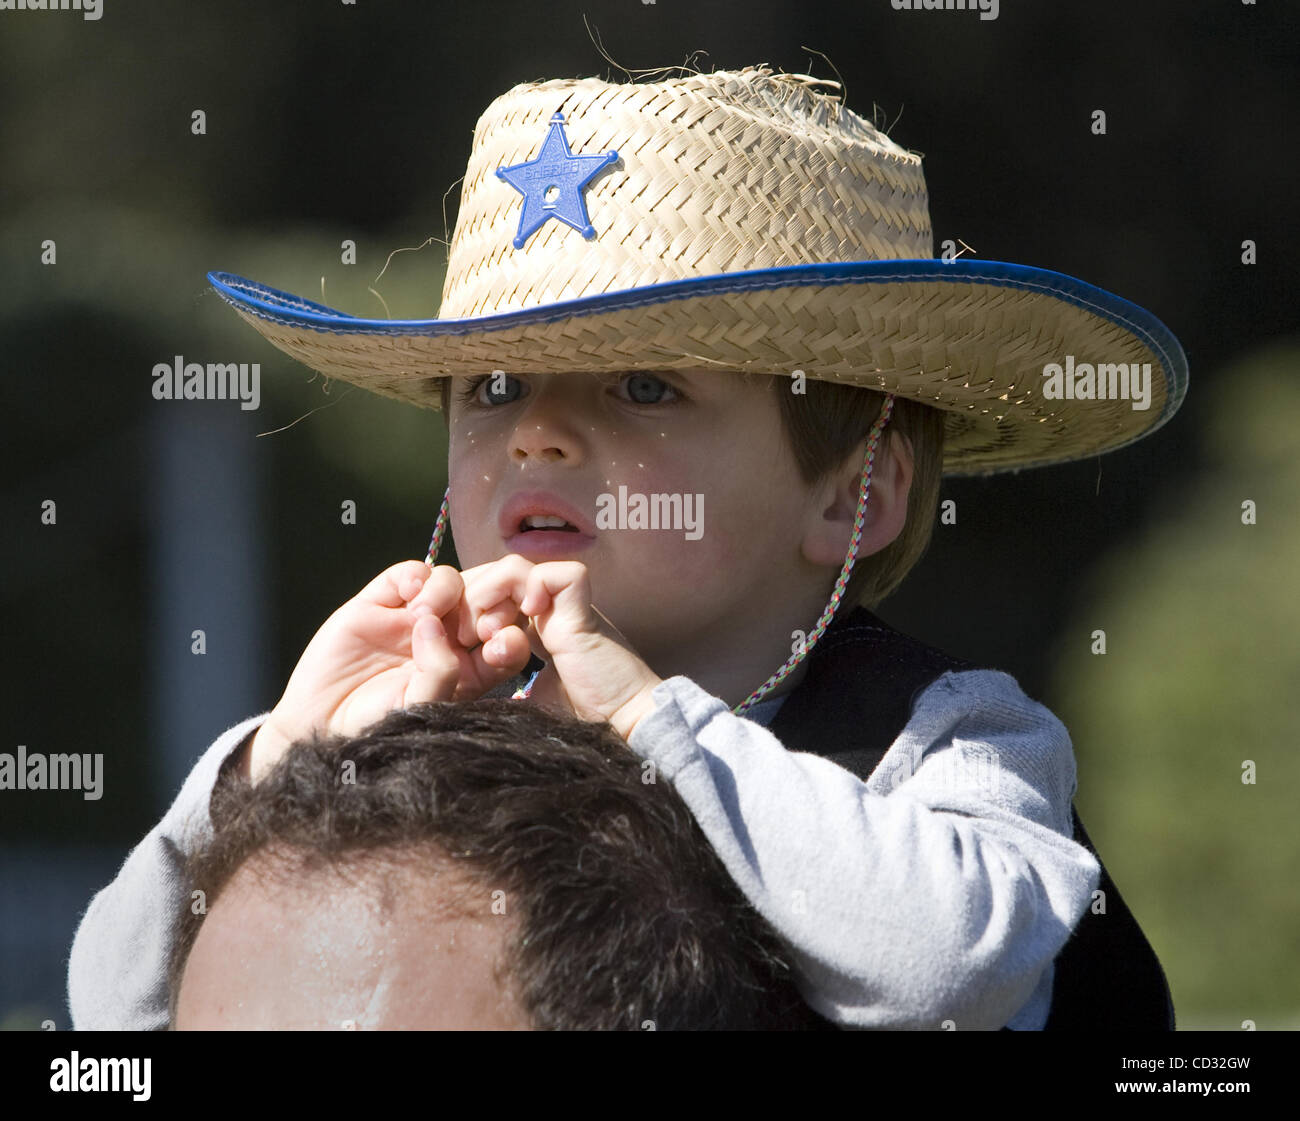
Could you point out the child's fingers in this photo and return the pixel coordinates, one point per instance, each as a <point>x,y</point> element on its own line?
<point>487,666</point>
<point>562,584</point>
<point>501,657</point>
<point>389,588</point>
<point>492,595</point>
<point>437,665</point>
<point>439,590</point>
<point>505,649</point>
<point>514,590</point>
<point>410,583</point>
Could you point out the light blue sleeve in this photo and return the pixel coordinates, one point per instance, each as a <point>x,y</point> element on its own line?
<point>936,894</point>
<point>117,971</point>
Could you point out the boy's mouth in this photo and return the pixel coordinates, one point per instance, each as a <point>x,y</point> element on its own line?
<point>540,511</point>
<point>543,526</point>
<point>535,522</point>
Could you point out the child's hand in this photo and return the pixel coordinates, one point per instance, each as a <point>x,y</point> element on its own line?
<point>591,666</point>
<point>385,649</point>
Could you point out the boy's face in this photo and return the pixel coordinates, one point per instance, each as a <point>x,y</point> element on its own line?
<point>709,438</point>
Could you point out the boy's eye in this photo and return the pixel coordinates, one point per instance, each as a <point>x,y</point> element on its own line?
<point>647,389</point>
<point>488,390</point>
<point>501,390</point>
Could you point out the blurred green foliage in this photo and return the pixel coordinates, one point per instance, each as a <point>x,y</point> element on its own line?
<point>1201,673</point>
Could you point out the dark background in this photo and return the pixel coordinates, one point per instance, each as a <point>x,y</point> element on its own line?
<point>328,121</point>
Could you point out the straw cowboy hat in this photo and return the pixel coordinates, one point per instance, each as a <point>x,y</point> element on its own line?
<point>741,220</point>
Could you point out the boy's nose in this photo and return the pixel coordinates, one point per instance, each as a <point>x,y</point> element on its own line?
<point>547,431</point>
<point>538,450</point>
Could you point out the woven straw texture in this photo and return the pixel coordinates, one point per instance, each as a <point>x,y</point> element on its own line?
<point>718,174</point>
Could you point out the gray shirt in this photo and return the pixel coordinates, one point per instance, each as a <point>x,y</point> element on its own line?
<point>935,895</point>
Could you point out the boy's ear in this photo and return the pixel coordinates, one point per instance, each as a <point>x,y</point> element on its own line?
<point>829,527</point>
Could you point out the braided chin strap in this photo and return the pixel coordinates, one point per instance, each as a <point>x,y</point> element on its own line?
<point>805,647</point>
<point>438,530</point>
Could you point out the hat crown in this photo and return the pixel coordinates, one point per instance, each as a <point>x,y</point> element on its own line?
<point>715,173</point>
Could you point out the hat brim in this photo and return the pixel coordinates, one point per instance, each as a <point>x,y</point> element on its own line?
<point>969,337</point>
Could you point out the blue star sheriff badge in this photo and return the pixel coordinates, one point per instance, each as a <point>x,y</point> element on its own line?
<point>552,184</point>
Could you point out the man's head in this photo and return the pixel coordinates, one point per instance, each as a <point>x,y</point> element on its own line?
<point>779,471</point>
<point>475,865</point>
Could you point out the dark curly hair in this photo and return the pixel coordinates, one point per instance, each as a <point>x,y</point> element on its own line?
<point>625,914</point>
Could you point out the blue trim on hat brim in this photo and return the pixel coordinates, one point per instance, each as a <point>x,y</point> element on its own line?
<point>295,311</point>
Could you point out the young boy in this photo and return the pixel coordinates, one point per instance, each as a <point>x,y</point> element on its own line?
<point>651,292</point>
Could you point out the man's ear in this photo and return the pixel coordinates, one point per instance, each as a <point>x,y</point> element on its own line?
<point>829,526</point>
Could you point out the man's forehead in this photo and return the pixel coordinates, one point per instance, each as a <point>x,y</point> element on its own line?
<point>385,941</point>
<point>417,881</point>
